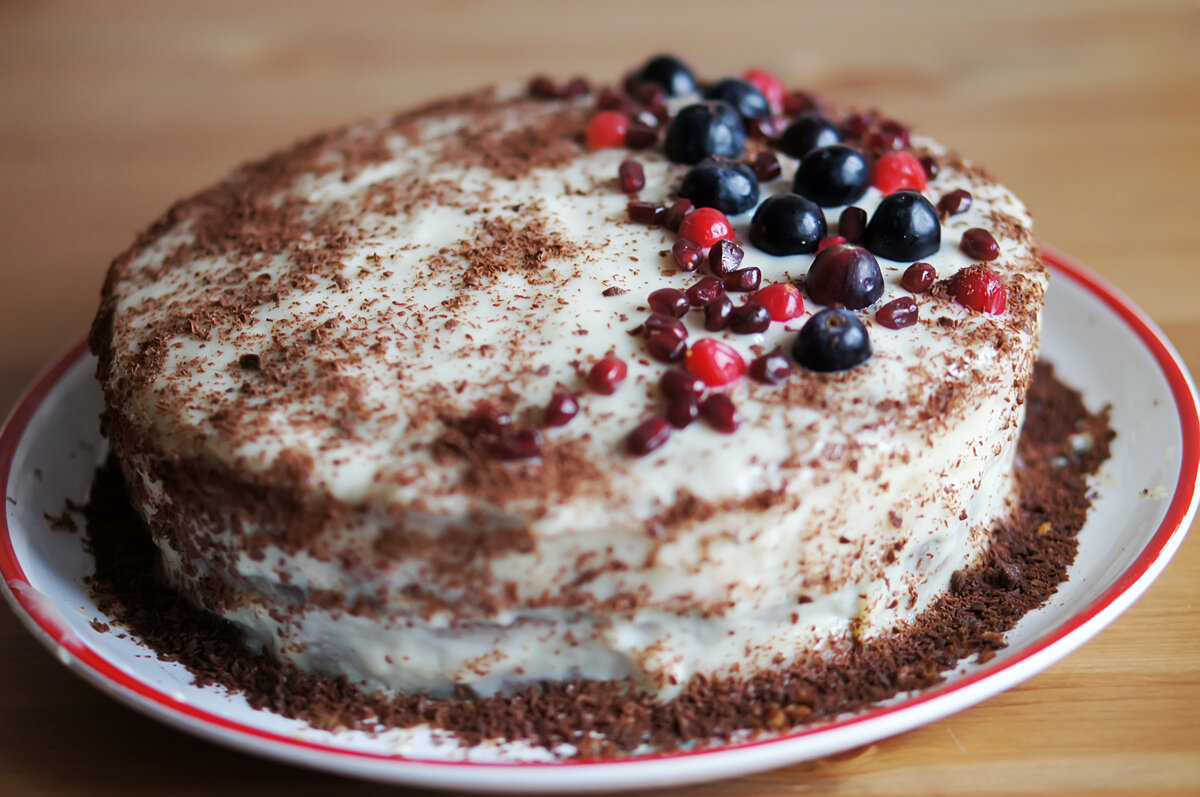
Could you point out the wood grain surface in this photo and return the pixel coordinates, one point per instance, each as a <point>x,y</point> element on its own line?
<point>1090,111</point>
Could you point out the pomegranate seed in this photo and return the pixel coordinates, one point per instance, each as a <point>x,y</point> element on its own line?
<point>607,375</point>
<point>680,383</point>
<point>830,240</point>
<point>686,254</point>
<point>895,171</point>
<point>658,322</point>
<point>895,130</point>
<point>717,313</point>
<point>543,87</point>
<point>882,141</point>
<point>641,135</point>
<point>524,444</point>
<point>744,279</point>
<point>766,128</point>
<point>782,300</point>
<point>706,226</point>
<point>715,362</point>
<point>631,176</point>
<point>930,165</point>
<point>650,95</point>
<point>682,410</point>
<point>704,291</point>
<point>797,102</point>
<point>719,412</point>
<point>918,278</point>
<point>670,301</point>
<point>607,129</point>
<point>768,84</point>
<point>610,100</point>
<point>491,418</point>
<point>979,288</point>
<point>852,224</point>
<point>647,436</point>
<point>955,202</point>
<point>979,244</point>
<point>749,319</point>
<point>643,212</point>
<point>665,347</point>
<point>772,368</point>
<point>674,215</point>
<point>725,257</point>
<point>577,87</point>
<point>766,166</point>
<point>854,125</point>
<point>898,313</point>
<point>562,407</point>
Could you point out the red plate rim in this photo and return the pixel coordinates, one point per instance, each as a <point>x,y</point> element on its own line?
<point>1159,547</point>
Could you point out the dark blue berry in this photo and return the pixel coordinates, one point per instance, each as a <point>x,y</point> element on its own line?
<point>742,95</point>
<point>809,131</point>
<point>847,275</point>
<point>787,224</point>
<point>832,340</point>
<point>905,227</point>
<point>670,73</point>
<point>704,129</point>
<point>834,175</point>
<point>729,186</point>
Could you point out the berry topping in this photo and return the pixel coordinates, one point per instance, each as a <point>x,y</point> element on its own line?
<point>896,171</point>
<point>682,410</point>
<point>720,414</point>
<point>611,100</point>
<point>782,300</point>
<point>855,125</point>
<point>930,165</point>
<point>809,131</point>
<point>659,323</point>
<point>853,224</point>
<point>607,129</point>
<point>491,418</point>
<point>728,186</point>
<point>542,87</point>
<point>641,135</point>
<point>744,279</point>
<point>563,406</point>
<point>749,318</point>
<point>768,84</point>
<point>787,224</point>
<point>955,202</point>
<point>905,227</point>
<point>798,102</point>
<point>846,275</point>
<point>669,301</point>
<point>674,215</point>
<point>979,244</point>
<point>832,340</point>
<point>647,436</point>
<point>898,313</point>
<point>837,174</point>
<point>830,240</point>
<point>705,290</point>
<point>665,347</point>
<point>631,177</point>
<point>643,212</point>
<point>715,362</point>
<point>576,87</point>
<point>918,278</point>
<point>607,375</point>
<point>743,95</point>
<point>681,383</point>
<point>706,226</point>
<point>771,369</point>
<point>522,444</point>
<point>724,257</point>
<point>717,313</point>
<point>704,129</point>
<point>979,288</point>
<point>687,254</point>
<point>766,166</point>
<point>670,73</point>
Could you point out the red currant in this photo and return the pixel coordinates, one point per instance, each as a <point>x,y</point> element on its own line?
<point>607,129</point>
<point>706,226</point>
<point>979,288</point>
<point>768,84</point>
<point>782,300</point>
<point>715,362</point>
<point>830,240</point>
<point>895,171</point>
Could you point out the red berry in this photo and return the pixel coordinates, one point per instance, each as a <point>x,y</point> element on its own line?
<point>665,347</point>
<point>852,224</point>
<point>607,375</point>
<point>782,300</point>
<point>768,84</point>
<point>720,413</point>
<point>674,214</point>
<point>669,301</point>
<point>631,177</point>
<point>955,202</point>
<point>543,87</point>
<point>724,257</point>
<point>772,368</point>
<point>715,362</point>
<point>607,129</point>
<point>680,383</point>
<point>766,166</point>
<point>522,444</point>
<point>491,418</point>
<point>931,166</point>
<point>563,406</point>
<point>640,135</point>
<point>644,212</point>
<point>830,240</point>
<point>978,288</point>
<point>649,435</point>
<point>717,313</point>
<point>686,254</point>
<point>895,171</point>
<point>704,291</point>
<point>898,313</point>
<point>979,244</point>
<point>918,278</point>
<point>682,410</point>
<point>743,280</point>
<point>706,226</point>
<point>658,322</point>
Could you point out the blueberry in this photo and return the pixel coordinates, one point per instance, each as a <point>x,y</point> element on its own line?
<point>833,175</point>
<point>809,131</point>
<point>787,224</point>
<point>728,186</point>
<point>704,129</point>
<point>670,73</point>
<point>832,340</point>
<point>904,227</point>
<point>847,275</point>
<point>742,95</point>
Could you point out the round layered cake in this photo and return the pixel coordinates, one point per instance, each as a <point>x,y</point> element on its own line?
<point>656,382</point>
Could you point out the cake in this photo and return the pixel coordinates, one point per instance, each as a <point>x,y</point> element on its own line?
<point>646,384</point>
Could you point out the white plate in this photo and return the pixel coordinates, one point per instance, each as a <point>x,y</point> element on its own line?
<point>1098,341</point>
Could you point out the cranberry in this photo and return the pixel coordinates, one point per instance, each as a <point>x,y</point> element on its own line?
<point>680,383</point>
<point>979,244</point>
<point>674,215</point>
<point>631,177</point>
<point>682,410</point>
<point>647,436</point>
<point>669,301</point>
<point>523,444</point>
<point>768,84</point>
<point>852,224</point>
<point>715,362</point>
<point>717,313</point>
<point>830,240</point>
<point>979,288</point>
<point>766,166</point>
<point>898,313</point>
<point>686,254</point>
<point>782,300</point>
<point>744,279</point>
<point>704,291</point>
<point>896,171</point>
<point>562,407</point>
<point>918,278</point>
<point>772,368</point>
<point>542,87</point>
<point>665,347</point>
<point>658,322</point>
<point>491,418</point>
<point>706,226</point>
<point>641,135</point>
<point>643,212</point>
<point>749,319</point>
<point>719,412</point>
<point>930,165</point>
<point>846,275</point>
<point>724,257</point>
<point>607,129</point>
<point>955,202</point>
<point>607,375</point>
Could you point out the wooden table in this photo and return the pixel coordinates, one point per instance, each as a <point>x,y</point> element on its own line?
<point>1090,111</point>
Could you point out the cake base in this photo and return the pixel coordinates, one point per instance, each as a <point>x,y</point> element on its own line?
<point>1027,559</point>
